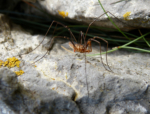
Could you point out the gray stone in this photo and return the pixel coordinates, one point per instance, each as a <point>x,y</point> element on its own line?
<point>81,11</point>
<point>64,83</point>
<point>32,98</point>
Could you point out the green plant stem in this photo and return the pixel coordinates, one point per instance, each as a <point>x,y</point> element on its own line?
<point>114,23</point>
<point>146,41</point>
<point>125,46</point>
<point>136,39</point>
<point>139,49</point>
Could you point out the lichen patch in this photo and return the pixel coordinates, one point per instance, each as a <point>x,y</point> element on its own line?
<point>63,14</point>
<point>126,15</point>
<point>12,62</point>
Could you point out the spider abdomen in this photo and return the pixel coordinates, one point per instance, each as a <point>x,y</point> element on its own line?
<point>79,48</point>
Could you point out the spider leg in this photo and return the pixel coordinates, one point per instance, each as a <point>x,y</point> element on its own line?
<point>100,51</point>
<point>93,22</point>
<point>66,28</point>
<point>53,33</point>
<point>102,15</point>
<point>106,50</point>
<point>82,34</point>
<point>93,39</point>
<point>50,46</point>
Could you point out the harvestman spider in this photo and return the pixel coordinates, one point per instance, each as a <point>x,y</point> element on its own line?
<point>78,47</point>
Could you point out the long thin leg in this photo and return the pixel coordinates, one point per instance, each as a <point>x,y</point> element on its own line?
<point>51,41</point>
<point>82,34</point>
<point>83,37</point>
<point>66,28</point>
<point>100,51</point>
<point>106,50</point>
<point>93,39</point>
<point>53,32</point>
<point>41,41</point>
<point>92,23</point>
<point>99,17</point>
<point>55,28</point>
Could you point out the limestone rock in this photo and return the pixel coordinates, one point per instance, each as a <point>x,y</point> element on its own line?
<point>82,11</point>
<point>62,82</point>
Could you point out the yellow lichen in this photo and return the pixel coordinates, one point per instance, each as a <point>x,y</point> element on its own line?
<point>19,72</point>
<point>63,14</point>
<point>126,15</point>
<point>1,63</point>
<point>12,62</point>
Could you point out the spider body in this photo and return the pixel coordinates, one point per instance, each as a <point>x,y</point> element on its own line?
<point>81,48</point>
<point>78,47</point>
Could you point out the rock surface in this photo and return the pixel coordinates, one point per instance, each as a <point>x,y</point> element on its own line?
<point>88,10</point>
<point>58,82</point>
<point>85,11</point>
